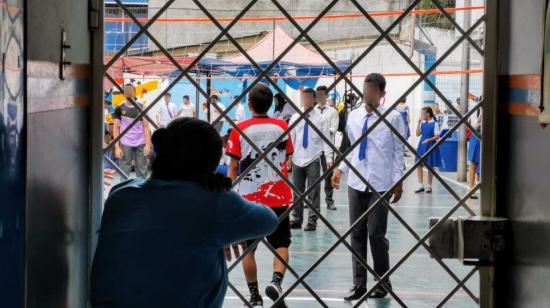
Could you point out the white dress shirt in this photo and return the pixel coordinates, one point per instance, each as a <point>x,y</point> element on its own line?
<point>331,116</point>
<point>187,110</point>
<point>384,164</point>
<point>167,112</point>
<point>304,156</point>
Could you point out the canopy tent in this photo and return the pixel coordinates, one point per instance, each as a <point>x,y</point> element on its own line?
<point>145,65</point>
<point>299,61</point>
<point>153,66</point>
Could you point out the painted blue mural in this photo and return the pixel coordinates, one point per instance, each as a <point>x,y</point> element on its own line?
<point>226,89</point>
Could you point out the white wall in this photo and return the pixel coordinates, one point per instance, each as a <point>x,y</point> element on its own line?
<point>184,34</point>
<point>384,59</point>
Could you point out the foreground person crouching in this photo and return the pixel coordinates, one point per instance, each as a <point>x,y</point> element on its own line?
<point>161,242</point>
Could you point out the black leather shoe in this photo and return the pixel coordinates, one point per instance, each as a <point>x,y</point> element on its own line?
<point>310,227</point>
<point>331,206</point>
<point>295,225</point>
<point>355,293</point>
<point>419,190</point>
<point>379,292</point>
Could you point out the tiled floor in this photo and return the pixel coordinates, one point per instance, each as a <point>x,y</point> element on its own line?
<point>419,282</point>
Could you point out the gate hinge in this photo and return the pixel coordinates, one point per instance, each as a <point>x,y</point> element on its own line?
<point>474,240</point>
<point>94,15</point>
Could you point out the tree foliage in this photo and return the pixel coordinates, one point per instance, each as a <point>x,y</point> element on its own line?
<point>436,20</point>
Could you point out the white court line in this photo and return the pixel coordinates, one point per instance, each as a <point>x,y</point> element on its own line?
<point>463,185</point>
<point>408,206</point>
<point>299,299</point>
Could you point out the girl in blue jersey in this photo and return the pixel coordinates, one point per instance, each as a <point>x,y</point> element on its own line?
<point>428,130</point>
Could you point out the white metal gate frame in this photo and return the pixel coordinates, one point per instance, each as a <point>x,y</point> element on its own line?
<point>143,29</point>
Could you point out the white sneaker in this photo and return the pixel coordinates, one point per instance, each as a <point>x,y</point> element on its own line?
<point>274,291</point>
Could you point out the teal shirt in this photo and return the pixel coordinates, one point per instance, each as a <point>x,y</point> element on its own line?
<point>161,244</point>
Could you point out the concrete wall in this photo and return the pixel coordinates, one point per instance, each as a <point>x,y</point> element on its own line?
<point>523,160</point>
<point>386,60</point>
<point>182,34</point>
<point>58,155</point>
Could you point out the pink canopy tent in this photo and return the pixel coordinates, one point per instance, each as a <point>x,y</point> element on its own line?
<point>145,65</point>
<point>273,44</point>
<point>299,61</point>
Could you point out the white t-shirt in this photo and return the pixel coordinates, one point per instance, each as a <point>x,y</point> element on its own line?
<point>167,112</point>
<point>187,110</point>
<point>239,113</point>
<point>286,112</point>
<point>214,114</point>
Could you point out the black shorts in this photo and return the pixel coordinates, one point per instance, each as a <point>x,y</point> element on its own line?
<point>281,237</point>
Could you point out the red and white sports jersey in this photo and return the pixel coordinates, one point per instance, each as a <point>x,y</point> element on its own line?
<point>262,184</point>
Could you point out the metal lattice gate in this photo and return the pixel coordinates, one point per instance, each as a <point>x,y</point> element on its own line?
<point>341,76</point>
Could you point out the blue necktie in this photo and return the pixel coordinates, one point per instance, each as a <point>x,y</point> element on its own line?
<point>305,136</point>
<point>363,145</point>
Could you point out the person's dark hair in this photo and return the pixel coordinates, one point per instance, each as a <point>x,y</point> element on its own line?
<point>430,111</point>
<point>322,88</point>
<point>168,94</point>
<point>281,102</point>
<point>214,96</point>
<point>108,102</point>
<point>186,97</point>
<point>309,91</point>
<point>260,98</point>
<point>377,79</point>
<point>187,150</point>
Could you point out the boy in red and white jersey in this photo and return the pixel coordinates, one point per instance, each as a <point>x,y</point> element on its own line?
<point>262,184</point>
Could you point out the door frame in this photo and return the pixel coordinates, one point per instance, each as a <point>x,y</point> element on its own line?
<point>488,168</point>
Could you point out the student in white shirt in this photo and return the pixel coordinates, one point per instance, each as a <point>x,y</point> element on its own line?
<point>379,159</point>
<point>167,111</point>
<point>214,113</point>
<point>306,160</point>
<point>283,110</point>
<point>330,115</point>
<point>187,109</point>
<point>239,112</point>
